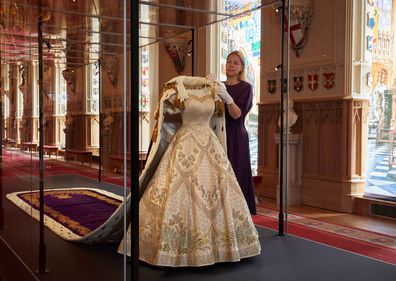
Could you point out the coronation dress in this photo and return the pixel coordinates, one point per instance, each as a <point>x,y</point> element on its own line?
<point>192,210</point>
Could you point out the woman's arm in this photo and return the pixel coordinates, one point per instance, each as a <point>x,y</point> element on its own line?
<point>232,107</point>
<point>237,110</point>
<point>234,110</point>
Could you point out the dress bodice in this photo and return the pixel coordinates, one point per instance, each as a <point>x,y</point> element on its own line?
<point>198,108</point>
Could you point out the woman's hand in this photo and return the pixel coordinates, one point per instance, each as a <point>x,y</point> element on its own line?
<point>221,90</point>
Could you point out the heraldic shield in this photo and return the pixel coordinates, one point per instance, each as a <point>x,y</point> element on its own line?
<point>272,86</point>
<point>328,80</point>
<point>298,83</point>
<point>313,81</point>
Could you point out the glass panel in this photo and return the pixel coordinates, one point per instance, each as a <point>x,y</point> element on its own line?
<point>85,110</point>
<point>84,116</point>
<point>173,56</point>
<point>243,33</point>
<point>380,83</point>
<point>19,133</point>
<point>164,21</point>
<point>272,178</point>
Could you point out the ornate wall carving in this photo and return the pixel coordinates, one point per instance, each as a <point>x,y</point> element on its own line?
<point>333,150</point>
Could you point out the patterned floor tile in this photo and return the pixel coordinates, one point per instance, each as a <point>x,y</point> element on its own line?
<point>381,179</point>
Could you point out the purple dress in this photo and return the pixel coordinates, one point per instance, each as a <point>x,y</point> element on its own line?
<point>238,141</point>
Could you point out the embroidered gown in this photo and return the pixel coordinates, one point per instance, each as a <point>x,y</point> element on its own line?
<point>193,212</point>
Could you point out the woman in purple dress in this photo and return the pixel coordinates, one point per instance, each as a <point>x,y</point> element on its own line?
<point>238,96</point>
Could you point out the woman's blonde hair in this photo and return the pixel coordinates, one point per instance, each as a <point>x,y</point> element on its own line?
<point>242,74</point>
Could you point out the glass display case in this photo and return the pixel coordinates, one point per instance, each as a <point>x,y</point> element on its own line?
<point>80,85</point>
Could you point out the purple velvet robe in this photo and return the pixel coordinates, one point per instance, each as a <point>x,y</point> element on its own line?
<point>238,141</point>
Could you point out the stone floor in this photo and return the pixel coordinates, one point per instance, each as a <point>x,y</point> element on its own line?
<point>381,175</point>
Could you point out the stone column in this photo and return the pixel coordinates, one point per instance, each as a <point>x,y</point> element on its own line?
<point>25,86</point>
<point>59,118</point>
<point>12,127</point>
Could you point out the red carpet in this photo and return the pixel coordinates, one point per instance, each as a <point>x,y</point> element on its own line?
<point>362,242</point>
<point>16,164</point>
<point>372,249</point>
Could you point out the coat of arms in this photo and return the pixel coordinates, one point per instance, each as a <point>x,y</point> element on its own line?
<point>328,80</point>
<point>272,86</point>
<point>298,83</point>
<point>313,81</point>
<point>299,21</point>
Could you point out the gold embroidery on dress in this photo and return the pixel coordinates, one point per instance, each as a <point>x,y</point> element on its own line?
<point>189,161</point>
<point>210,198</point>
<point>158,196</point>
